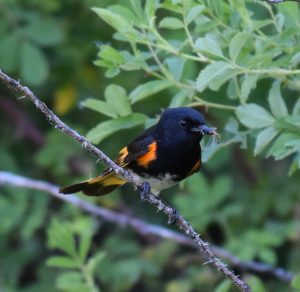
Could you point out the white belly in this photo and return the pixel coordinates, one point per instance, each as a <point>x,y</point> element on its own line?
<point>161,183</point>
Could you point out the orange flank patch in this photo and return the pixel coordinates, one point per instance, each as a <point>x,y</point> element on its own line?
<point>146,159</point>
<point>196,167</point>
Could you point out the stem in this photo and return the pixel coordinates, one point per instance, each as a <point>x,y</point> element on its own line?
<point>201,102</point>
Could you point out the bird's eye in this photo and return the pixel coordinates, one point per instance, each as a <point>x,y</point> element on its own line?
<point>182,124</point>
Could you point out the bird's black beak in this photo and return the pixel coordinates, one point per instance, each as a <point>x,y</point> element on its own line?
<point>205,130</point>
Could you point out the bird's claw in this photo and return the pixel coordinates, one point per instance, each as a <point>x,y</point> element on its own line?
<point>174,217</point>
<point>145,191</point>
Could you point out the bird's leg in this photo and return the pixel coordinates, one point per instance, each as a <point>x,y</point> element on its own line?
<point>144,193</point>
<point>174,216</point>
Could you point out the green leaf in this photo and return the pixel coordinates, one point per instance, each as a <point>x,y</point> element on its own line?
<point>71,281</point>
<point>256,284</point>
<point>296,282</point>
<point>284,145</point>
<point>116,97</point>
<point>148,89</point>
<point>94,261</point>
<point>236,44</point>
<point>224,286</point>
<point>277,104</point>
<point>84,245</point>
<point>176,66</point>
<point>45,32</point>
<point>118,23</point>
<point>296,108</point>
<point>124,13</point>
<point>138,9</point>
<point>62,262</point>
<point>171,23</point>
<point>254,116</point>
<point>181,98</point>
<point>150,8</point>
<point>209,45</point>
<point>112,72</point>
<point>248,84</point>
<point>9,52</point>
<point>105,129</point>
<point>34,65</point>
<point>215,75</point>
<point>193,13</point>
<point>100,106</point>
<point>264,138</point>
<point>60,236</point>
<point>111,55</point>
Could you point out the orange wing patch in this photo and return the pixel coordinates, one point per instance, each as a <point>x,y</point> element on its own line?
<point>150,155</point>
<point>196,167</point>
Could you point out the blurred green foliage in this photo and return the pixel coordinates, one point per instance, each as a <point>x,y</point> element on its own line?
<point>236,61</point>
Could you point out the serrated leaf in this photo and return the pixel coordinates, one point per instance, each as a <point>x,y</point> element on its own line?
<point>215,75</point>
<point>62,262</point>
<point>148,89</point>
<point>248,84</point>
<point>105,129</point>
<point>171,23</point>
<point>236,44</point>
<point>100,106</point>
<point>34,65</point>
<point>276,102</point>
<point>193,13</point>
<point>264,138</point>
<point>254,116</point>
<point>209,45</point>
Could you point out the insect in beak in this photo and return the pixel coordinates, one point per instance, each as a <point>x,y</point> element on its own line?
<point>205,130</point>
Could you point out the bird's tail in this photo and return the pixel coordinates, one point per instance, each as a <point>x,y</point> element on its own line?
<point>98,186</point>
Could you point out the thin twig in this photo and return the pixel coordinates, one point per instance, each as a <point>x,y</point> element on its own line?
<point>140,226</point>
<point>280,1</point>
<point>130,177</point>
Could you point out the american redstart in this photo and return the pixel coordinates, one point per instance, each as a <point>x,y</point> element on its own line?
<point>163,155</point>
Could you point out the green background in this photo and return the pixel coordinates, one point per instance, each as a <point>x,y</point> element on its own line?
<point>108,72</point>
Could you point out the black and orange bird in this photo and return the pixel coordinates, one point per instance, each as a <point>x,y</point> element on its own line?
<point>163,155</point>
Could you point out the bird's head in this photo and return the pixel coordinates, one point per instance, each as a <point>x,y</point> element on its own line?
<point>184,124</point>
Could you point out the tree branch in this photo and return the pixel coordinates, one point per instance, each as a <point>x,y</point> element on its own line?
<point>140,226</point>
<point>182,224</point>
<point>280,1</point>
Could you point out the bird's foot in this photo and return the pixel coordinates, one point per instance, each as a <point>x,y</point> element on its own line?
<point>174,217</point>
<point>145,191</point>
